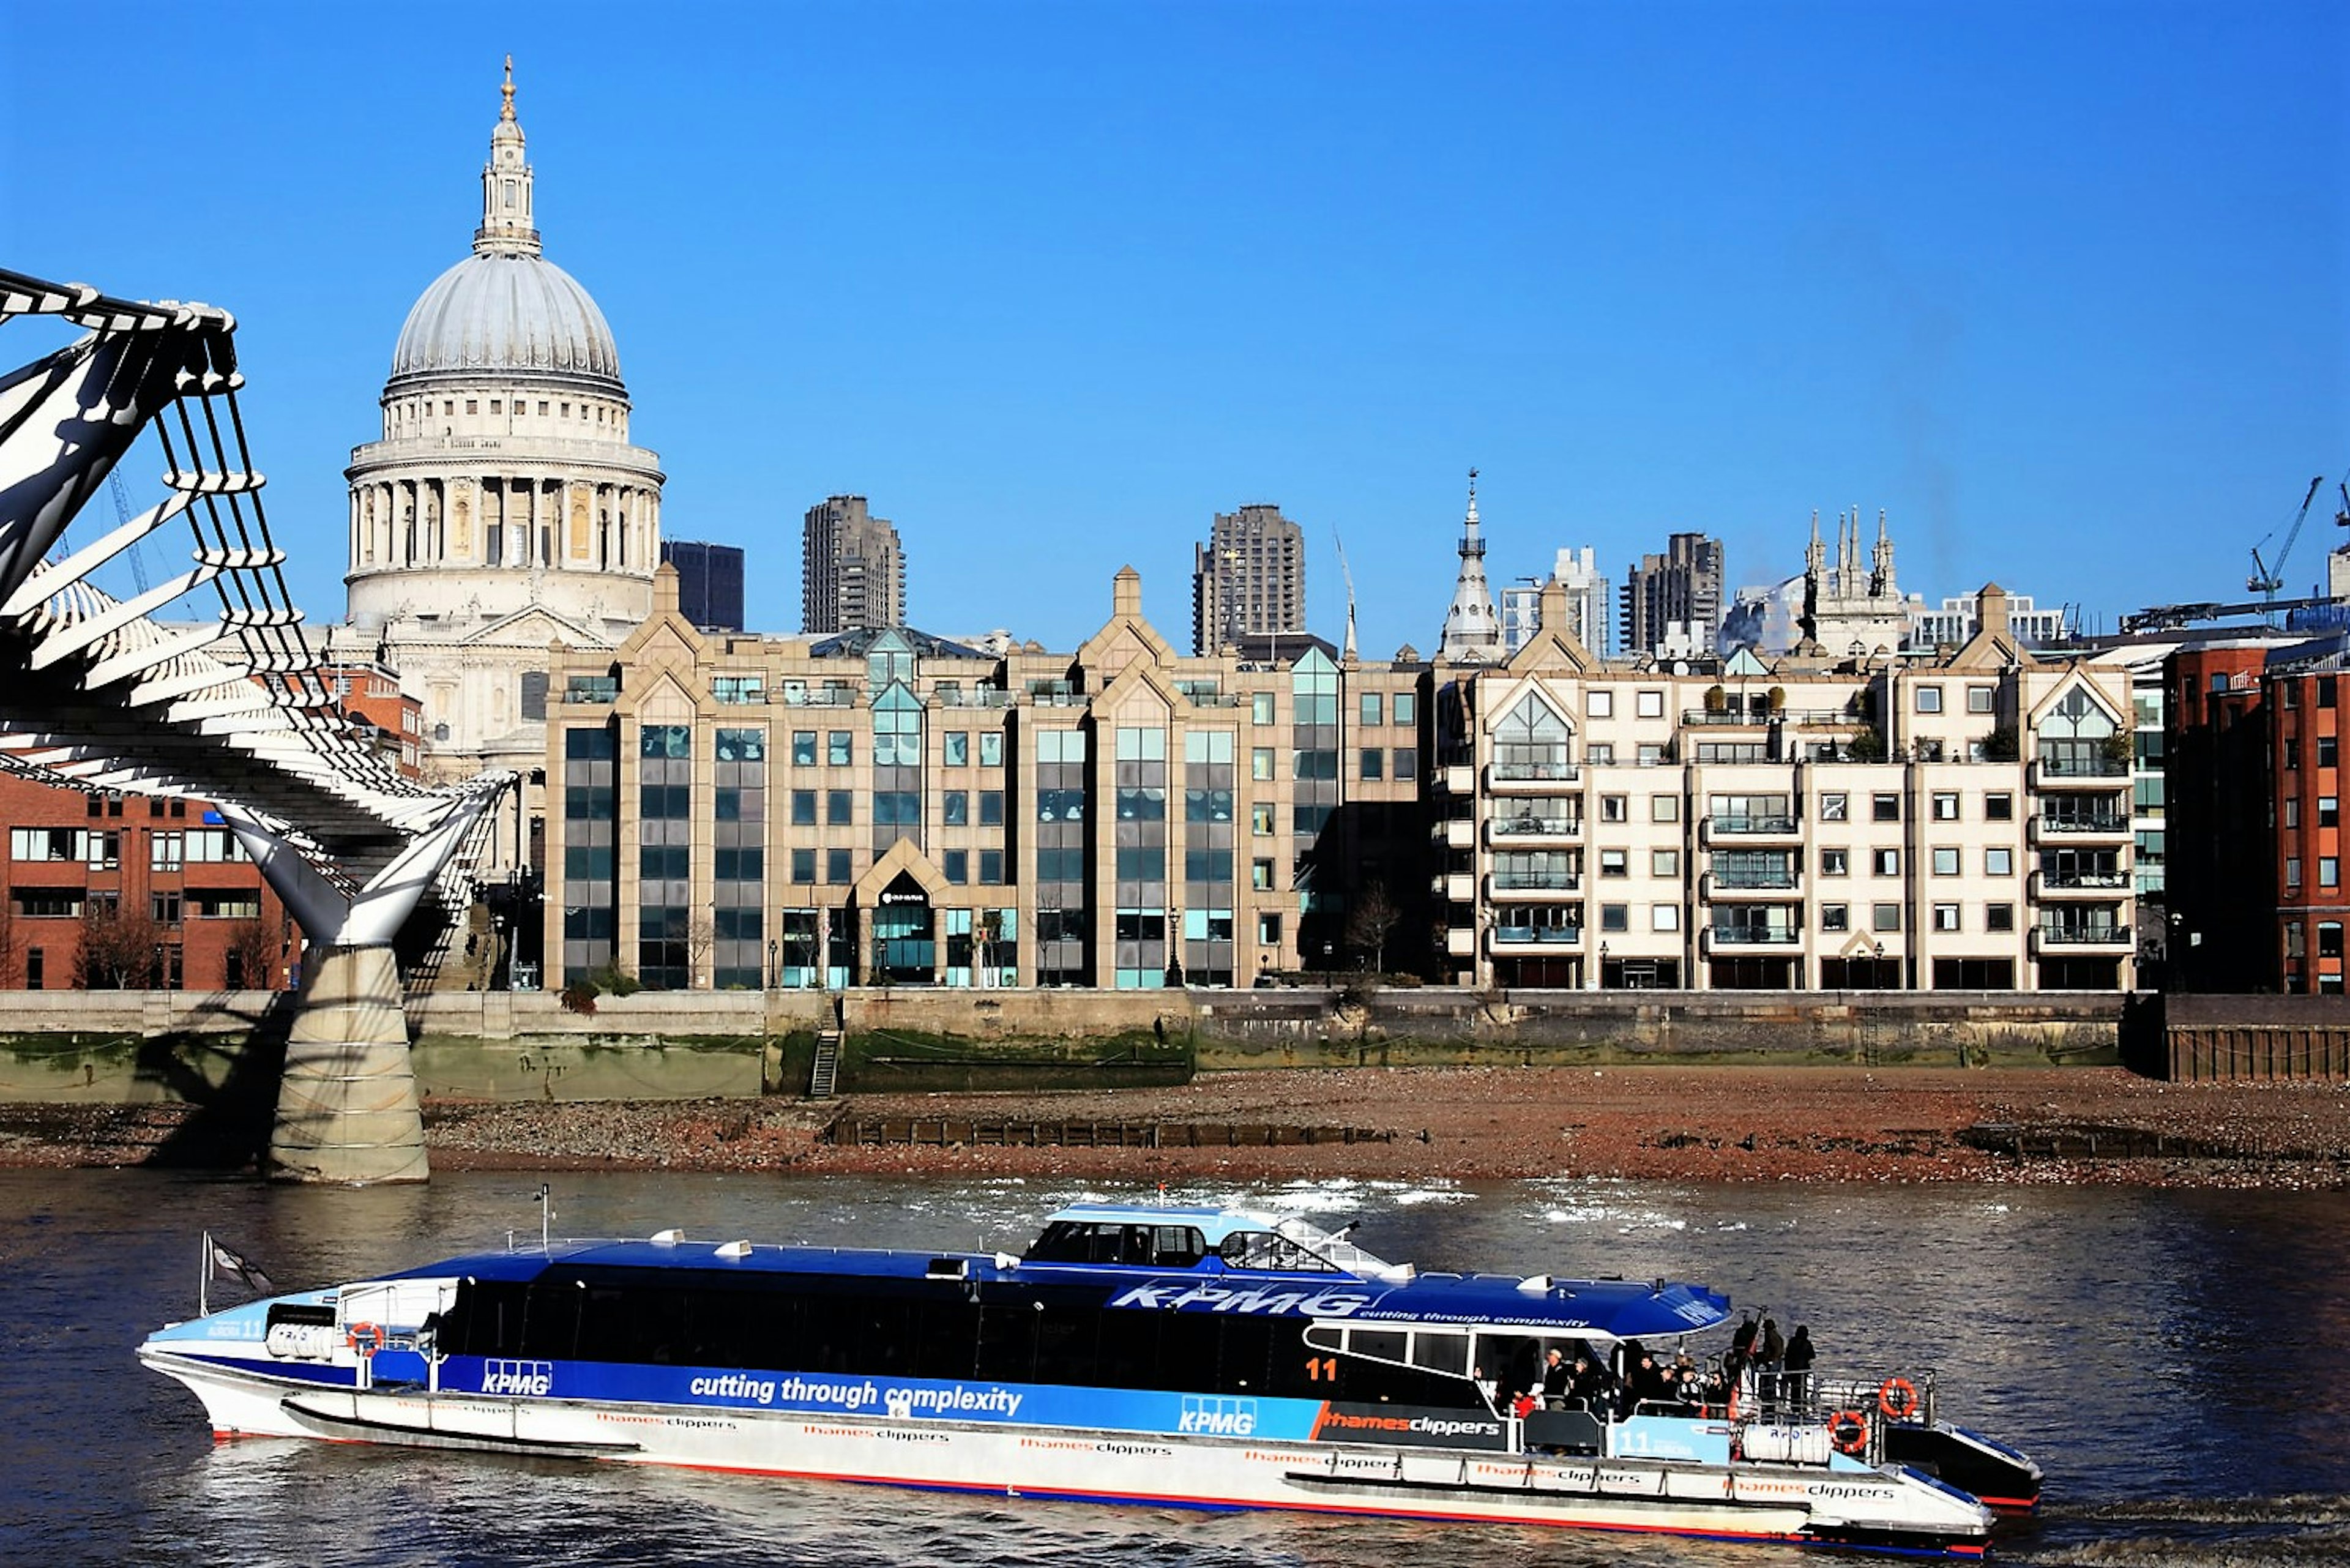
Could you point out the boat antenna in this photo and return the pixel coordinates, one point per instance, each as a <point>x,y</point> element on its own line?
<point>546,1217</point>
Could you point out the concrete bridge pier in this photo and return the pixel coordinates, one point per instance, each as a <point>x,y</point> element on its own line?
<point>346,1107</point>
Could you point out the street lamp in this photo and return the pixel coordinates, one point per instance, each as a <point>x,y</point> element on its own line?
<point>1326,962</point>
<point>774,969</point>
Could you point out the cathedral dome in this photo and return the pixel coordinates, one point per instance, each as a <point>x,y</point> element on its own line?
<point>503,314</point>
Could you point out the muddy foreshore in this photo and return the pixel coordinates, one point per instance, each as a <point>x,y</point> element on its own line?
<point>2086,1125</point>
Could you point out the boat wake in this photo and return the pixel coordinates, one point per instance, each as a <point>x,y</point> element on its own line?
<point>2290,1532</point>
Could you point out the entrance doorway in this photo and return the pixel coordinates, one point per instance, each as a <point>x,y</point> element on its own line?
<point>905,951</point>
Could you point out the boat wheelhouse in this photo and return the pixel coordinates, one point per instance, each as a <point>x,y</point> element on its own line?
<point>1222,1358</point>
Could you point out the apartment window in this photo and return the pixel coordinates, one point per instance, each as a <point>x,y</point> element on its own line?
<point>957,802</point>
<point>804,808</point>
<point>1664,917</point>
<point>2329,811</point>
<point>1615,808</point>
<point>1600,754</point>
<point>1407,764</point>
<point>1946,805</point>
<point>1885,806</point>
<point>1652,754</point>
<point>2329,871</point>
<point>1664,808</point>
<point>1268,930</point>
<point>1261,707</point>
<point>956,864</point>
<point>1929,699</point>
<point>991,867</point>
<point>1978,700</point>
<point>1405,708</point>
<point>1836,808</point>
<point>1835,917</point>
<point>1260,762</point>
<point>1260,820</point>
<point>1649,704</point>
<point>802,748</point>
<point>1835,862</point>
<point>1999,862</point>
<point>958,753</point>
<point>1946,861</point>
<point>2293,870</point>
<point>837,867</point>
<point>1886,862</point>
<point>2329,932</point>
<point>837,807</point>
<point>2000,807</point>
<point>2293,811</point>
<point>2327,751</point>
<point>1373,766</point>
<point>1946,917</point>
<point>1664,863</point>
<point>1368,709</point>
<point>839,748</point>
<point>991,808</point>
<point>1999,916</point>
<point>1614,916</point>
<point>990,751</point>
<point>1613,863</point>
<point>1261,876</point>
<point>1885,917</point>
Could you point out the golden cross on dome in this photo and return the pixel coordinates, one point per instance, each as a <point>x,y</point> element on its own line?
<point>507,112</point>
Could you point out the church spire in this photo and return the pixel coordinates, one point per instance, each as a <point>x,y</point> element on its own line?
<point>506,228</point>
<point>1473,631</point>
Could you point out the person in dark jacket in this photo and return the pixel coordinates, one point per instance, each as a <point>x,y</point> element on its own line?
<point>1799,1364</point>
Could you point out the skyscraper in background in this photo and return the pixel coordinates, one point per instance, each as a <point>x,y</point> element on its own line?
<point>709,582</point>
<point>852,574</point>
<point>1590,603</point>
<point>1672,602</point>
<point>1248,579</point>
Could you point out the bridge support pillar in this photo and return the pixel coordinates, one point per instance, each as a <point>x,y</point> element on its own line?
<point>346,1107</point>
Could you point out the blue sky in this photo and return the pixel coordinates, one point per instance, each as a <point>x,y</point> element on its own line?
<point>2062,289</point>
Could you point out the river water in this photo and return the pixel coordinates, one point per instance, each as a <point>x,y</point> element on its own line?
<point>2177,1360</point>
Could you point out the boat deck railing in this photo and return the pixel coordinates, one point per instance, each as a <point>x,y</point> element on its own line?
<point>1854,1412</point>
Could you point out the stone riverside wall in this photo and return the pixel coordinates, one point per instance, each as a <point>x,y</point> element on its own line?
<point>128,1046</point>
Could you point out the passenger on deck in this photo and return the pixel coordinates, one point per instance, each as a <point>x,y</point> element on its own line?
<point>1589,1382</point>
<point>1799,1364</point>
<point>1557,1379</point>
<point>1740,1351</point>
<point>1770,1359</point>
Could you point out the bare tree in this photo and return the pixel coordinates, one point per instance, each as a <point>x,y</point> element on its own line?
<point>1372,920</point>
<point>118,947</point>
<point>701,937</point>
<point>252,956</point>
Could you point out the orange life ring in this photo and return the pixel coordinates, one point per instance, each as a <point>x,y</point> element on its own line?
<point>1897,1399</point>
<point>1849,1430</point>
<point>364,1337</point>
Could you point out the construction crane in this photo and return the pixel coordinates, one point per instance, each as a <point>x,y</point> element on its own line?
<point>122,516</point>
<point>2267,579</point>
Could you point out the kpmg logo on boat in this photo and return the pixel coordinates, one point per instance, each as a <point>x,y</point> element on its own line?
<point>517,1376</point>
<point>1218,1418</point>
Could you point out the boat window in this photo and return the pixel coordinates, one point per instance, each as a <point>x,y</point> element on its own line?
<point>1439,1351</point>
<point>1145,1246</point>
<point>1378,1344</point>
<point>1264,1250</point>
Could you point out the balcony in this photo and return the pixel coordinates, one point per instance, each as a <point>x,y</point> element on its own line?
<point>1715,887</point>
<point>1534,775</point>
<point>1743,935</point>
<point>1460,943</point>
<point>1457,779</point>
<point>1454,886</point>
<point>1529,830</point>
<point>2071,937</point>
<point>1723,718</point>
<point>1542,937</point>
<point>1534,885</point>
<point>2074,829</point>
<point>1455,833</point>
<point>2080,884</point>
<point>1753,825</point>
<point>592,691</point>
<point>2079,773</point>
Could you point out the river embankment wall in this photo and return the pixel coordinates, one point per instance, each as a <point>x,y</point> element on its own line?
<point>113,1047</point>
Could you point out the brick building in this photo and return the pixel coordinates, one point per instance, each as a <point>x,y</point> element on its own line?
<point>158,890</point>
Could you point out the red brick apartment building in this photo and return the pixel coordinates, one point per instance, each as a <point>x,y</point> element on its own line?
<point>2254,785</point>
<point>113,890</point>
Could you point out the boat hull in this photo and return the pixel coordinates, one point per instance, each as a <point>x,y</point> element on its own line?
<point>1869,1509</point>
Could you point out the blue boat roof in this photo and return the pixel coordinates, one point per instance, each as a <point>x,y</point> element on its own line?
<point>1372,1292</point>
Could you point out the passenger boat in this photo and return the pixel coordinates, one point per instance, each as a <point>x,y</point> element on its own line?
<point>1211,1358</point>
